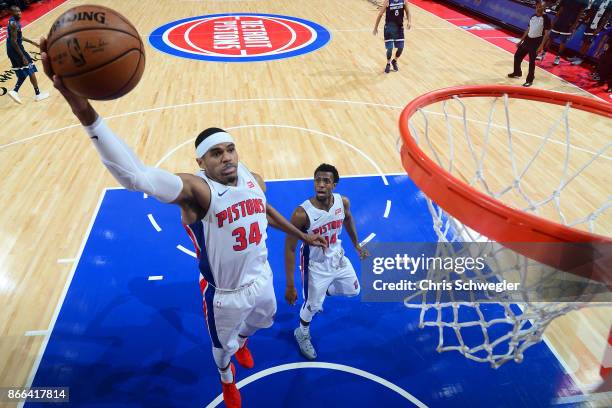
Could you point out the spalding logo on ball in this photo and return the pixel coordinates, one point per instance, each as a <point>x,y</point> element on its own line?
<point>239,37</point>
<point>96,51</point>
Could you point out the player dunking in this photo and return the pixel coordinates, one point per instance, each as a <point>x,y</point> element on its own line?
<point>394,29</point>
<point>225,212</point>
<point>20,60</point>
<point>325,272</point>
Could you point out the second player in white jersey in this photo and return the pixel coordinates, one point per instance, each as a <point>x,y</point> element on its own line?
<point>325,272</point>
<point>328,224</point>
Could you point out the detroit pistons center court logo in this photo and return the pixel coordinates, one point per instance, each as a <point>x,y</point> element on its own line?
<point>241,37</point>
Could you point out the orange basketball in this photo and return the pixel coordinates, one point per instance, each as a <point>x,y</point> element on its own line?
<point>96,51</point>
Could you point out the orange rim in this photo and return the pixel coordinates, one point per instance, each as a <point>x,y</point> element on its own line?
<point>491,217</point>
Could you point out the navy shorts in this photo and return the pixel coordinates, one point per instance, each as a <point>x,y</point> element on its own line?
<point>394,36</point>
<point>22,71</point>
<point>589,35</point>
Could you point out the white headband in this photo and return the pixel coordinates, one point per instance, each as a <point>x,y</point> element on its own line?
<point>210,141</point>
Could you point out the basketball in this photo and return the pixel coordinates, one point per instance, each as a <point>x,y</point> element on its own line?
<point>96,51</point>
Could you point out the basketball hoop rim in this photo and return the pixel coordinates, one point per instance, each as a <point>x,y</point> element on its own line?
<point>477,210</point>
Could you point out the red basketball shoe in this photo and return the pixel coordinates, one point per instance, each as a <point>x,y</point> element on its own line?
<point>231,395</point>
<point>244,357</point>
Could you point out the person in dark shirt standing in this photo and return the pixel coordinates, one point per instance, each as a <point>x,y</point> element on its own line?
<point>531,43</point>
<point>22,63</point>
<point>596,20</point>
<point>568,17</point>
<point>394,29</point>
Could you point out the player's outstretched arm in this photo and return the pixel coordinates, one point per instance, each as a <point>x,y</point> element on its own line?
<point>282,224</point>
<point>121,161</point>
<point>276,220</point>
<point>349,224</point>
<point>299,219</point>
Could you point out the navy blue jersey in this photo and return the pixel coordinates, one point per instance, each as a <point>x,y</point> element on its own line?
<point>395,13</point>
<point>9,39</point>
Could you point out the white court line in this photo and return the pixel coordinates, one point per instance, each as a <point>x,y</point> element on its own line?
<point>341,177</point>
<point>66,260</point>
<point>602,397</point>
<point>156,277</point>
<point>316,132</point>
<point>33,333</point>
<point>330,366</point>
<point>368,239</point>
<point>578,136</point>
<point>388,209</point>
<point>348,30</point>
<point>216,1</point>
<point>185,250</point>
<point>153,222</point>
<point>310,178</point>
<point>435,28</point>
<point>568,370</point>
<point>37,136</point>
<point>186,105</point>
<point>60,302</point>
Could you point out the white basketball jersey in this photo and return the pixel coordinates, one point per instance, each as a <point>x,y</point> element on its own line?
<point>230,240</point>
<point>328,224</point>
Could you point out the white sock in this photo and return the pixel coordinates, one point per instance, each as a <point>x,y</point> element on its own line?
<point>226,375</point>
<point>222,357</point>
<point>305,329</point>
<point>306,314</point>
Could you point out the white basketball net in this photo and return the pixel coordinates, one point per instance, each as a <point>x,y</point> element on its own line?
<point>505,329</point>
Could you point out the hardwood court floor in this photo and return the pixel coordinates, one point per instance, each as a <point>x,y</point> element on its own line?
<point>52,178</point>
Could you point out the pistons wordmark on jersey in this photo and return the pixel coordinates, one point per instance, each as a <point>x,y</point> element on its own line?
<point>328,224</point>
<point>230,240</point>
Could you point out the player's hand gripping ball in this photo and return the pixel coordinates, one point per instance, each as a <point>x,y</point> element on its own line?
<point>96,52</point>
